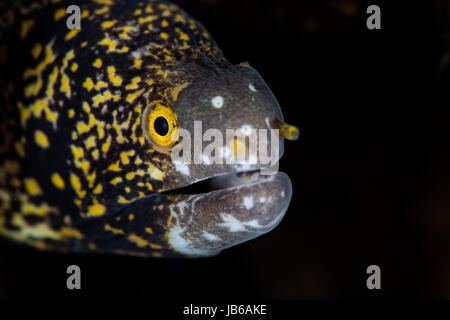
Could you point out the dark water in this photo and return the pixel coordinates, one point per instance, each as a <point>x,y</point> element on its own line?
<point>371,171</point>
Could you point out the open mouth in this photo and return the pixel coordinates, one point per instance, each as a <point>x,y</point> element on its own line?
<point>243,194</point>
<point>218,182</point>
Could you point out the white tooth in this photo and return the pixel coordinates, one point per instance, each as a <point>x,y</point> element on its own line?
<point>254,176</point>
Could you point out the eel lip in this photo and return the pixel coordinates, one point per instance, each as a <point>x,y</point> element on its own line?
<point>241,207</point>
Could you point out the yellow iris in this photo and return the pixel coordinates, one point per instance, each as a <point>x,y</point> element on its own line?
<point>161,126</point>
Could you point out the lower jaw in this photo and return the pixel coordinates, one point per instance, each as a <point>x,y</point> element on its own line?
<point>226,210</point>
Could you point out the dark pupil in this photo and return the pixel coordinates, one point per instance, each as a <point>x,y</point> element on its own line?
<point>161,126</point>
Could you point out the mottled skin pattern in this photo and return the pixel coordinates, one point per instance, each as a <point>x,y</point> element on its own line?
<point>78,171</point>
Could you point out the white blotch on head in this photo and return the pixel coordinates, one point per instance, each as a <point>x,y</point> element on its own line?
<point>139,52</point>
<point>235,225</point>
<point>253,223</point>
<point>210,236</point>
<point>180,243</point>
<point>252,87</point>
<point>136,54</point>
<point>262,199</point>
<point>246,129</point>
<point>231,223</point>
<point>217,102</point>
<point>181,205</point>
<point>282,194</point>
<point>182,168</point>
<point>248,202</point>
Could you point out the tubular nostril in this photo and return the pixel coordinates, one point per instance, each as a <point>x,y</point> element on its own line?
<point>288,131</point>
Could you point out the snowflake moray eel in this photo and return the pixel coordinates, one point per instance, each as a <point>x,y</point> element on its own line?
<point>85,116</point>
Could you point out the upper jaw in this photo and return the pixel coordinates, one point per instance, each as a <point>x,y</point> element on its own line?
<point>184,175</point>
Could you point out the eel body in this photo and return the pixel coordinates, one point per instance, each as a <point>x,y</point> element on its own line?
<point>87,118</point>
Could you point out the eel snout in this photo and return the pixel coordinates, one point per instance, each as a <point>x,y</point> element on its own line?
<point>204,224</point>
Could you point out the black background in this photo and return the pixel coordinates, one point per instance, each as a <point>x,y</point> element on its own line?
<point>370,172</point>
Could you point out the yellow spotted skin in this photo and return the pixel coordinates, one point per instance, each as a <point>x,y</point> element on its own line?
<point>76,168</point>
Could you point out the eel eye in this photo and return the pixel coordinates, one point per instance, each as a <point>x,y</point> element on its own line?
<point>161,125</point>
